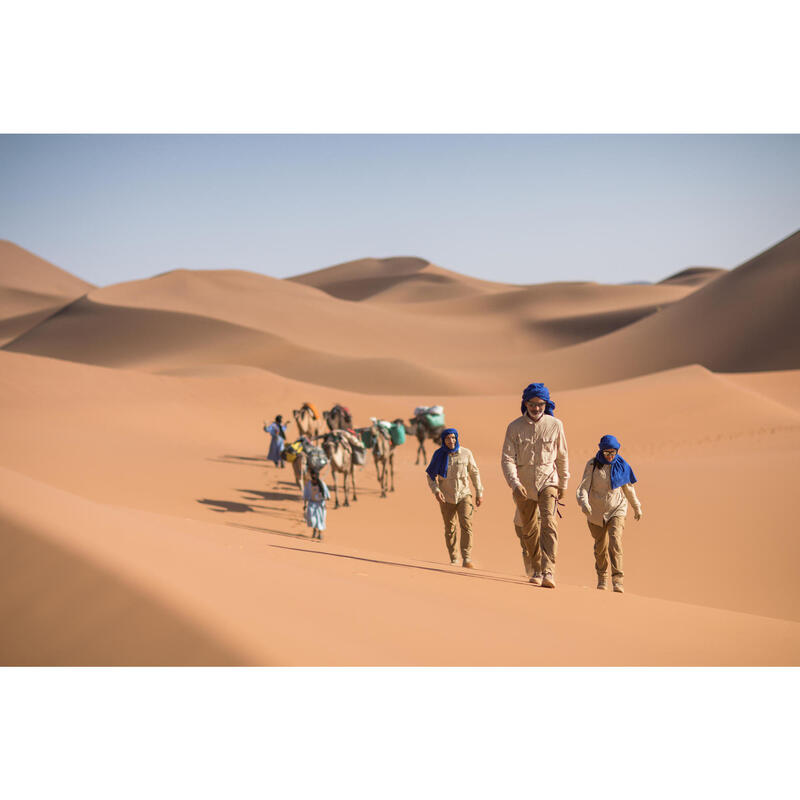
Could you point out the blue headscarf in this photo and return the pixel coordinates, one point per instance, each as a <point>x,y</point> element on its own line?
<point>621,472</point>
<point>438,465</point>
<point>541,391</point>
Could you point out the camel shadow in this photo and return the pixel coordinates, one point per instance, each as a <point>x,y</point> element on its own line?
<point>221,506</point>
<point>260,494</point>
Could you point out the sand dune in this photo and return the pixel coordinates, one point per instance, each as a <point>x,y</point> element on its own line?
<point>95,333</point>
<point>96,585</point>
<point>399,279</point>
<point>21,269</point>
<point>743,321</point>
<point>141,524</point>
<point>184,320</point>
<point>694,276</point>
<point>31,290</point>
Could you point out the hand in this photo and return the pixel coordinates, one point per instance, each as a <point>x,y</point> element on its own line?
<point>520,493</point>
<point>637,515</point>
<point>439,496</point>
<point>478,501</point>
<point>561,493</point>
<point>587,509</point>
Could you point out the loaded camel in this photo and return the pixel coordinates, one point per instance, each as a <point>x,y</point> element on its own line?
<point>308,421</point>
<point>383,453</point>
<point>423,430</point>
<point>338,418</point>
<point>338,447</point>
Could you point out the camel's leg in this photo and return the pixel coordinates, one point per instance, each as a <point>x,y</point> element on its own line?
<point>353,479</point>
<point>345,475</point>
<point>420,449</point>
<point>383,477</point>
<point>391,465</point>
<point>335,490</point>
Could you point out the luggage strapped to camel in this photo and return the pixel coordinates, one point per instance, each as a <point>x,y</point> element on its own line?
<point>433,415</point>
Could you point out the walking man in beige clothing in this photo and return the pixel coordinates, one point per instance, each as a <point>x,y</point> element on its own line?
<point>603,496</point>
<point>536,467</point>
<point>448,478</point>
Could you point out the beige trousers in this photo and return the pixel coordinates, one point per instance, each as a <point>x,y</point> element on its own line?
<point>608,542</point>
<point>463,509</point>
<point>538,533</point>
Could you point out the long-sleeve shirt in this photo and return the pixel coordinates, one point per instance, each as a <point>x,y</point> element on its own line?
<point>455,487</point>
<point>535,454</point>
<point>595,491</point>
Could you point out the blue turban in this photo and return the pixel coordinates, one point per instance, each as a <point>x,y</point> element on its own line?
<point>438,465</point>
<point>541,391</point>
<point>621,472</point>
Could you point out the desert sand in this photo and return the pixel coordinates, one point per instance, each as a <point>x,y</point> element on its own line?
<point>141,523</point>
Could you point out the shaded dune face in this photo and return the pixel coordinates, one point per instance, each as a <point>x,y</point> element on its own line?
<point>693,276</point>
<point>118,336</point>
<point>59,609</point>
<point>31,290</point>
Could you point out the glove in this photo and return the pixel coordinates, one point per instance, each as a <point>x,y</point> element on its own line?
<point>637,514</point>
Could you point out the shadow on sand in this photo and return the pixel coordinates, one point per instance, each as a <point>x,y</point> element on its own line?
<point>222,506</point>
<point>259,494</point>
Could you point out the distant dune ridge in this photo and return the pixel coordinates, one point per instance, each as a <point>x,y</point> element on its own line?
<point>140,523</point>
<point>31,289</point>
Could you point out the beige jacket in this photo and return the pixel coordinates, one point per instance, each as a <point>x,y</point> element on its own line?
<point>535,454</point>
<point>595,490</point>
<point>455,487</point>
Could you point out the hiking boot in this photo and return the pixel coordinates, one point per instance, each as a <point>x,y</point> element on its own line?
<point>535,579</point>
<point>468,564</point>
<point>453,561</point>
<point>602,582</point>
<point>618,587</point>
<point>548,581</point>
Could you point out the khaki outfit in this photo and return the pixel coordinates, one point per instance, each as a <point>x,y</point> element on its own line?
<point>535,456</point>
<point>461,467</point>
<point>607,518</point>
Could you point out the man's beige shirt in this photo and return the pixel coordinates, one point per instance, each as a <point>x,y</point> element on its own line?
<point>535,454</point>
<point>460,467</point>
<point>605,502</point>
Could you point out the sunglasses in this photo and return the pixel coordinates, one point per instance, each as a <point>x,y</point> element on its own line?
<point>609,452</point>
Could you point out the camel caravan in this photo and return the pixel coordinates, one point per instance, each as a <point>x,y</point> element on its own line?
<point>329,439</point>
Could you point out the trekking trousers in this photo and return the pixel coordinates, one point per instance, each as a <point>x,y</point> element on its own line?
<point>463,509</point>
<point>538,533</point>
<point>608,543</point>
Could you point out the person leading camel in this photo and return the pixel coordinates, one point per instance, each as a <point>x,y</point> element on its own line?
<point>448,473</point>
<point>277,432</point>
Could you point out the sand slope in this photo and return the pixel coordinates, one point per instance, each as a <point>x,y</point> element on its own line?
<point>398,279</point>
<point>694,276</point>
<point>31,290</point>
<point>743,321</point>
<point>140,523</point>
<point>187,320</point>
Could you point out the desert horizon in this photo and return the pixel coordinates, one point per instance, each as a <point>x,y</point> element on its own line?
<point>143,524</point>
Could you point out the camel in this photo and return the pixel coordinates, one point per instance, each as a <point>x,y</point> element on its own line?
<point>308,422</point>
<point>338,418</point>
<point>422,430</point>
<point>383,453</point>
<point>340,458</point>
<point>300,464</point>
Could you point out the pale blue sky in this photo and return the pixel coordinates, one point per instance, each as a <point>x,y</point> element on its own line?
<point>517,208</point>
